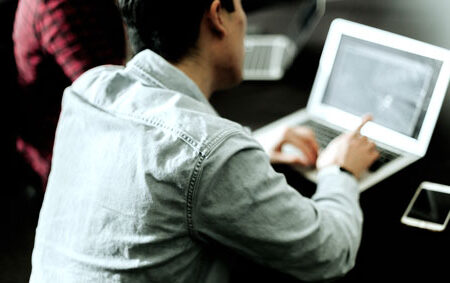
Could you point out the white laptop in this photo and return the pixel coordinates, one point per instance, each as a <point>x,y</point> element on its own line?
<point>402,82</point>
<point>267,53</point>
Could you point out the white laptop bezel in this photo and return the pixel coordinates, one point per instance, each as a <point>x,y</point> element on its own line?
<point>374,131</point>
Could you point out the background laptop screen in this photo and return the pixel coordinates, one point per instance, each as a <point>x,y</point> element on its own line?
<point>393,85</point>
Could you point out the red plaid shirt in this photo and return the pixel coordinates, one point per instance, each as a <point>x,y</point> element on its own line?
<point>55,42</point>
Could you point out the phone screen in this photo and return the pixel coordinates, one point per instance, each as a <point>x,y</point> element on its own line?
<point>431,206</point>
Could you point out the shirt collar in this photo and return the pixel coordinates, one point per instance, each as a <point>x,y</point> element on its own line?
<point>157,70</point>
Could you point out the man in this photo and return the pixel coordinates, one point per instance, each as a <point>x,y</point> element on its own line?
<point>149,184</point>
<point>55,41</point>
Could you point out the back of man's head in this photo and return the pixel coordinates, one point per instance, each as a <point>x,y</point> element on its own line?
<point>169,28</point>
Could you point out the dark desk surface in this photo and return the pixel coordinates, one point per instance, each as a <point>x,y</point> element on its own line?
<point>390,251</point>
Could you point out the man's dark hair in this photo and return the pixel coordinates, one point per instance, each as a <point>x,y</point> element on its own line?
<point>169,28</point>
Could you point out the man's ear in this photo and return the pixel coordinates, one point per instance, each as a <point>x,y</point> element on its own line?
<point>215,18</point>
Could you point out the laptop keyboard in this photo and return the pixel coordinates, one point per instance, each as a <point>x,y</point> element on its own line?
<point>257,57</point>
<point>385,157</point>
<point>325,135</point>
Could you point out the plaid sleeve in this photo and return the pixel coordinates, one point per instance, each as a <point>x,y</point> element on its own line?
<point>81,34</point>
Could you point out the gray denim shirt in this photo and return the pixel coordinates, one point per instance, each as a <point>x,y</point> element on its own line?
<point>147,180</point>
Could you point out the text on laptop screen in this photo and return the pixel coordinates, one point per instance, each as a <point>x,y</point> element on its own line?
<point>393,85</point>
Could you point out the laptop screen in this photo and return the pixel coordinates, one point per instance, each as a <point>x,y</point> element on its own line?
<point>393,85</point>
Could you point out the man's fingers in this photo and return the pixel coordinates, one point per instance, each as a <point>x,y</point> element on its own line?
<point>308,150</point>
<point>301,150</point>
<point>313,142</point>
<point>374,155</point>
<point>302,140</point>
<point>366,118</point>
<point>311,139</point>
<point>305,134</point>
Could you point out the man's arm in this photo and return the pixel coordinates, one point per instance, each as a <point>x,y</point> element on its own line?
<point>242,203</point>
<point>81,34</point>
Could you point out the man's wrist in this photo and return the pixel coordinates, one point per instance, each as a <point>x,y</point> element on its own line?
<point>342,169</point>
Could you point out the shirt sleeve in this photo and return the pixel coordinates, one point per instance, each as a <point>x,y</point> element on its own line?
<point>243,204</point>
<point>81,34</point>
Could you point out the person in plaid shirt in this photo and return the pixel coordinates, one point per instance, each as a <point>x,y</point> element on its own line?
<point>55,41</point>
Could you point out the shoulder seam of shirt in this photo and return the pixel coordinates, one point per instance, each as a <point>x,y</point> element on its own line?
<point>196,173</point>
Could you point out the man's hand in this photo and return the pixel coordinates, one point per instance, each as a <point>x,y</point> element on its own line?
<point>301,138</point>
<point>350,151</point>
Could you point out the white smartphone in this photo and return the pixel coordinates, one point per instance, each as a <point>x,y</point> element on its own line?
<point>429,208</point>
